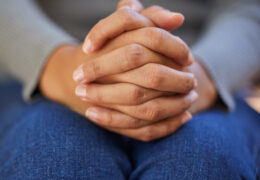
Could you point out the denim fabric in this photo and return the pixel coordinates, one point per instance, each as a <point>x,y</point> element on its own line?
<point>45,140</point>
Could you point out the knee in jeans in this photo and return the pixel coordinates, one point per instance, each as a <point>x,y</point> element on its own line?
<point>210,145</point>
<point>52,126</point>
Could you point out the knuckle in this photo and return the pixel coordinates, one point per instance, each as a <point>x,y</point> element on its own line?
<point>154,76</point>
<point>136,95</point>
<point>135,123</point>
<point>94,69</point>
<point>151,113</point>
<point>126,15</point>
<point>156,35</point>
<point>155,81</point>
<point>189,82</point>
<point>133,55</point>
<point>148,134</point>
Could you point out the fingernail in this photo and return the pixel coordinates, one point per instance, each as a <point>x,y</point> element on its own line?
<point>87,47</point>
<point>85,99</point>
<point>191,58</point>
<point>195,83</point>
<point>171,13</point>
<point>194,95</point>
<point>187,117</point>
<point>127,6</point>
<point>177,14</point>
<point>92,114</point>
<point>134,7</point>
<point>81,91</point>
<point>78,75</point>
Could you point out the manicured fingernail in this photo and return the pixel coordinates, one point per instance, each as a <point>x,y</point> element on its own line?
<point>177,14</point>
<point>85,99</point>
<point>191,58</point>
<point>87,47</point>
<point>187,117</point>
<point>195,83</point>
<point>81,91</point>
<point>91,114</point>
<point>170,14</point>
<point>78,75</point>
<point>194,96</point>
<point>126,6</point>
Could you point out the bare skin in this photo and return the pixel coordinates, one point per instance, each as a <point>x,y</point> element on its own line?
<point>129,95</point>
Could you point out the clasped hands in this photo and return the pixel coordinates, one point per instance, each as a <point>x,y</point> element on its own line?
<point>132,76</point>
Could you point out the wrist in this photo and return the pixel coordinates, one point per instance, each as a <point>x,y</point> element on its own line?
<point>206,87</point>
<point>51,82</point>
<point>56,82</point>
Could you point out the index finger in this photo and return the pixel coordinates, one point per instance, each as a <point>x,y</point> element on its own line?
<point>124,19</point>
<point>158,40</point>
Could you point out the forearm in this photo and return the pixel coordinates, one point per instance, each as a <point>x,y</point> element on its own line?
<point>229,49</point>
<point>27,37</point>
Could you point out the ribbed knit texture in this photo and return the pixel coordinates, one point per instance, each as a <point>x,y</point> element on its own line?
<point>27,38</point>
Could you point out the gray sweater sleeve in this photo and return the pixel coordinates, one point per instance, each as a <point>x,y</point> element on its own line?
<point>27,37</point>
<point>230,48</point>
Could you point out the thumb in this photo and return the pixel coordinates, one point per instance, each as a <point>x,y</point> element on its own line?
<point>132,4</point>
<point>163,18</point>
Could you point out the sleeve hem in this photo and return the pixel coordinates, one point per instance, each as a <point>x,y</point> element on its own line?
<point>223,93</point>
<point>30,93</point>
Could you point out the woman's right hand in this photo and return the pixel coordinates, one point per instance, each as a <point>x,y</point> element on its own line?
<point>123,60</point>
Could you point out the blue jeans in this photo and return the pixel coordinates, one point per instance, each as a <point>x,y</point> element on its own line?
<point>44,140</point>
